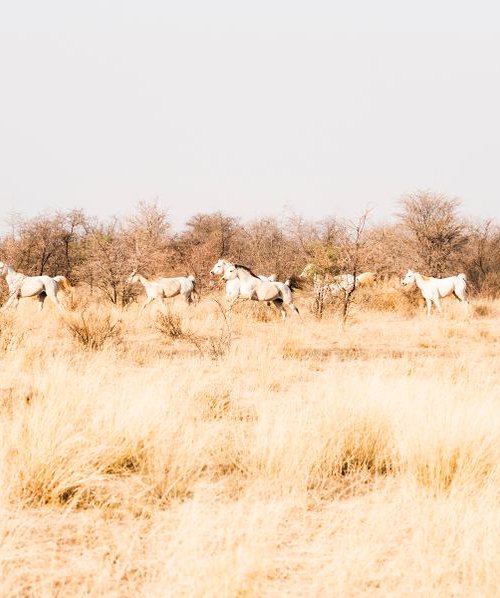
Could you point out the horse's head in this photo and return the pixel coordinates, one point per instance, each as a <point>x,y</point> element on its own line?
<point>133,277</point>
<point>219,267</point>
<point>308,271</point>
<point>230,271</point>
<point>409,278</point>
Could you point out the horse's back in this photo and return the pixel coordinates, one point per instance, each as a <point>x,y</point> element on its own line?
<point>34,285</point>
<point>170,286</point>
<point>446,286</point>
<point>187,283</point>
<point>366,279</point>
<point>266,291</point>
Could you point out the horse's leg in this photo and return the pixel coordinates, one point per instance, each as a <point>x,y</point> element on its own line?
<point>147,302</point>
<point>437,303</point>
<point>460,295</point>
<point>41,299</point>
<point>429,305</point>
<point>12,301</point>
<point>278,304</point>
<point>295,310</point>
<point>53,297</point>
<point>231,302</point>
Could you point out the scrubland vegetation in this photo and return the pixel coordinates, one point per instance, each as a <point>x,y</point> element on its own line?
<point>429,233</point>
<point>179,451</point>
<point>292,459</point>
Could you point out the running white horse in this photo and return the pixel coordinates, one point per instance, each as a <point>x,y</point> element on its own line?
<point>252,287</point>
<point>433,289</point>
<point>42,286</point>
<point>233,285</point>
<point>164,288</point>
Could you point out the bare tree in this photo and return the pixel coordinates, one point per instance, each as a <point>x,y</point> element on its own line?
<point>269,248</point>
<point>207,237</point>
<point>108,260</point>
<point>45,244</point>
<point>435,233</point>
<point>147,234</point>
<point>389,255</point>
<point>483,257</point>
<point>353,252</point>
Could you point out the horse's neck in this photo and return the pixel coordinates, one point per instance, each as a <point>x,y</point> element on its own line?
<point>419,280</point>
<point>12,274</point>
<point>13,278</point>
<point>144,281</point>
<point>247,281</point>
<point>245,276</point>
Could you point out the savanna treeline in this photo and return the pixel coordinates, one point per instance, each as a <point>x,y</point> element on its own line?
<point>428,233</point>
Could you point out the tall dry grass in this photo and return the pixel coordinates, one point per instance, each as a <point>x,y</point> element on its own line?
<point>302,461</point>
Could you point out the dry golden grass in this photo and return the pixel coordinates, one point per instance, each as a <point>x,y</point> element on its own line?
<point>300,460</point>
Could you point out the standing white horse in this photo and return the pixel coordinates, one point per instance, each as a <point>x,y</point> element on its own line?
<point>252,287</point>
<point>336,285</point>
<point>21,286</point>
<point>433,289</point>
<point>233,284</point>
<point>164,288</point>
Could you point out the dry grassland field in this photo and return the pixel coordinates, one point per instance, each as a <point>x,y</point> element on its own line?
<point>172,453</point>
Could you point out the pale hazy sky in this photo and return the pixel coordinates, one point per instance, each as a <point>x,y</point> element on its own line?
<point>247,107</point>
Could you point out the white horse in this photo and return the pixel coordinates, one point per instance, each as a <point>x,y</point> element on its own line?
<point>164,288</point>
<point>252,287</point>
<point>233,285</point>
<point>336,286</point>
<point>21,286</point>
<point>343,284</point>
<point>433,289</point>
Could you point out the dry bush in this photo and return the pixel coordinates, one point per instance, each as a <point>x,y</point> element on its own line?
<point>264,313</point>
<point>389,297</point>
<point>293,349</point>
<point>219,404</point>
<point>465,458</point>
<point>223,477</point>
<point>483,309</point>
<point>491,284</point>
<point>170,325</point>
<point>11,336</point>
<point>94,328</point>
<point>216,346</point>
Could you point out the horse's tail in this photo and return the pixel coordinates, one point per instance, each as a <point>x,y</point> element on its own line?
<point>462,276</point>
<point>63,282</point>
<point>293,283</point>
<point>194,292</point>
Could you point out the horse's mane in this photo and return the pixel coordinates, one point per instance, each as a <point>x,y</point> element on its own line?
<point>247,269</point>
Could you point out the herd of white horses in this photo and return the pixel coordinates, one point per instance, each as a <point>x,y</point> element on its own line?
<point>240,283</point>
